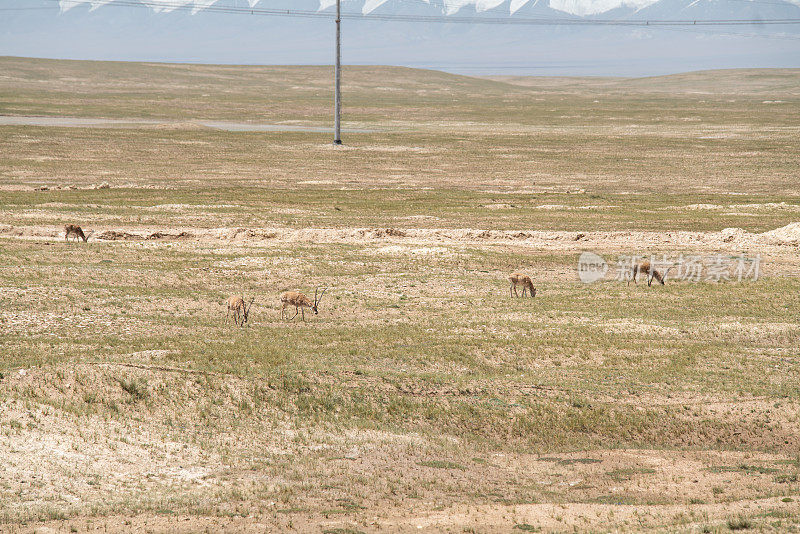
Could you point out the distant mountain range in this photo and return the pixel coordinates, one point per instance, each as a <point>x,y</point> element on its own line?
<point>675,9</point>
<point>98,29</point>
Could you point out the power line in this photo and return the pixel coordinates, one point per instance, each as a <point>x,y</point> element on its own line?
<point>40,8</point>
<point>446,19</point>
<point>702,31</point>
<point>784,4</point>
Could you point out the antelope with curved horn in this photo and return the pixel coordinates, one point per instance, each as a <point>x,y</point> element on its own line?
<point>74,230</point>
<point>239,309</point>
<point>300,303</point>
<point>650,271</point>
<point>518,279</point>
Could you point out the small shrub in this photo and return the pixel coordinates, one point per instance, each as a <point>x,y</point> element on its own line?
<point>740,523</point>
<point>137,389</point>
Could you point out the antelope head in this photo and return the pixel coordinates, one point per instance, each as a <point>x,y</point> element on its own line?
<point>658,276</point>
<point>317,300</point>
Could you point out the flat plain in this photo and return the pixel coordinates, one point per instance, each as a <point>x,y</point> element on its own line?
<point>422,397</point>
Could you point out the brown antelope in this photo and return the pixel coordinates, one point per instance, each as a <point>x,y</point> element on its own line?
<point>648,270</point>
<point>300,303</point>
<point>239,309</point>
<point>518,279</point>
<point>74,230</point>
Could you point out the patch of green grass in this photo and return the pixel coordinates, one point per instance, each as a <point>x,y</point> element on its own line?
<point>525,527</point>
<point>441,464</point>
<point>571,461</point>
<point>344,506</point>
<point>743,468</point>
<point>620,475</point>
<point>627,499</point>
<point>13,423</point>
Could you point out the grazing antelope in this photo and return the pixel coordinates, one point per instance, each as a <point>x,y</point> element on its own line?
<point>239,309</point>
<point>518,279</point>
<point>74,230</point>
<point>650,271</point>
<point>300,302</point>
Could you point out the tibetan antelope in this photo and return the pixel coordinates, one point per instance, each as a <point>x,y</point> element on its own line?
<point>74,230</point>
<point>300,303</point>
<point>518,279</point>
<point>239,309</point>
<point>649,271</point>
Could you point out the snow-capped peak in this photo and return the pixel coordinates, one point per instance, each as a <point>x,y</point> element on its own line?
<point>448,7</point>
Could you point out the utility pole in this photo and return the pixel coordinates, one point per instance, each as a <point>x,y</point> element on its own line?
<point>337,96</point>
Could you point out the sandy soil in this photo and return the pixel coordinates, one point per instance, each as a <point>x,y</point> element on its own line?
<point>729,239</point>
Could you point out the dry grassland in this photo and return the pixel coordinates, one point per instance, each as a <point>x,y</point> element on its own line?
<point>421,398</point>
